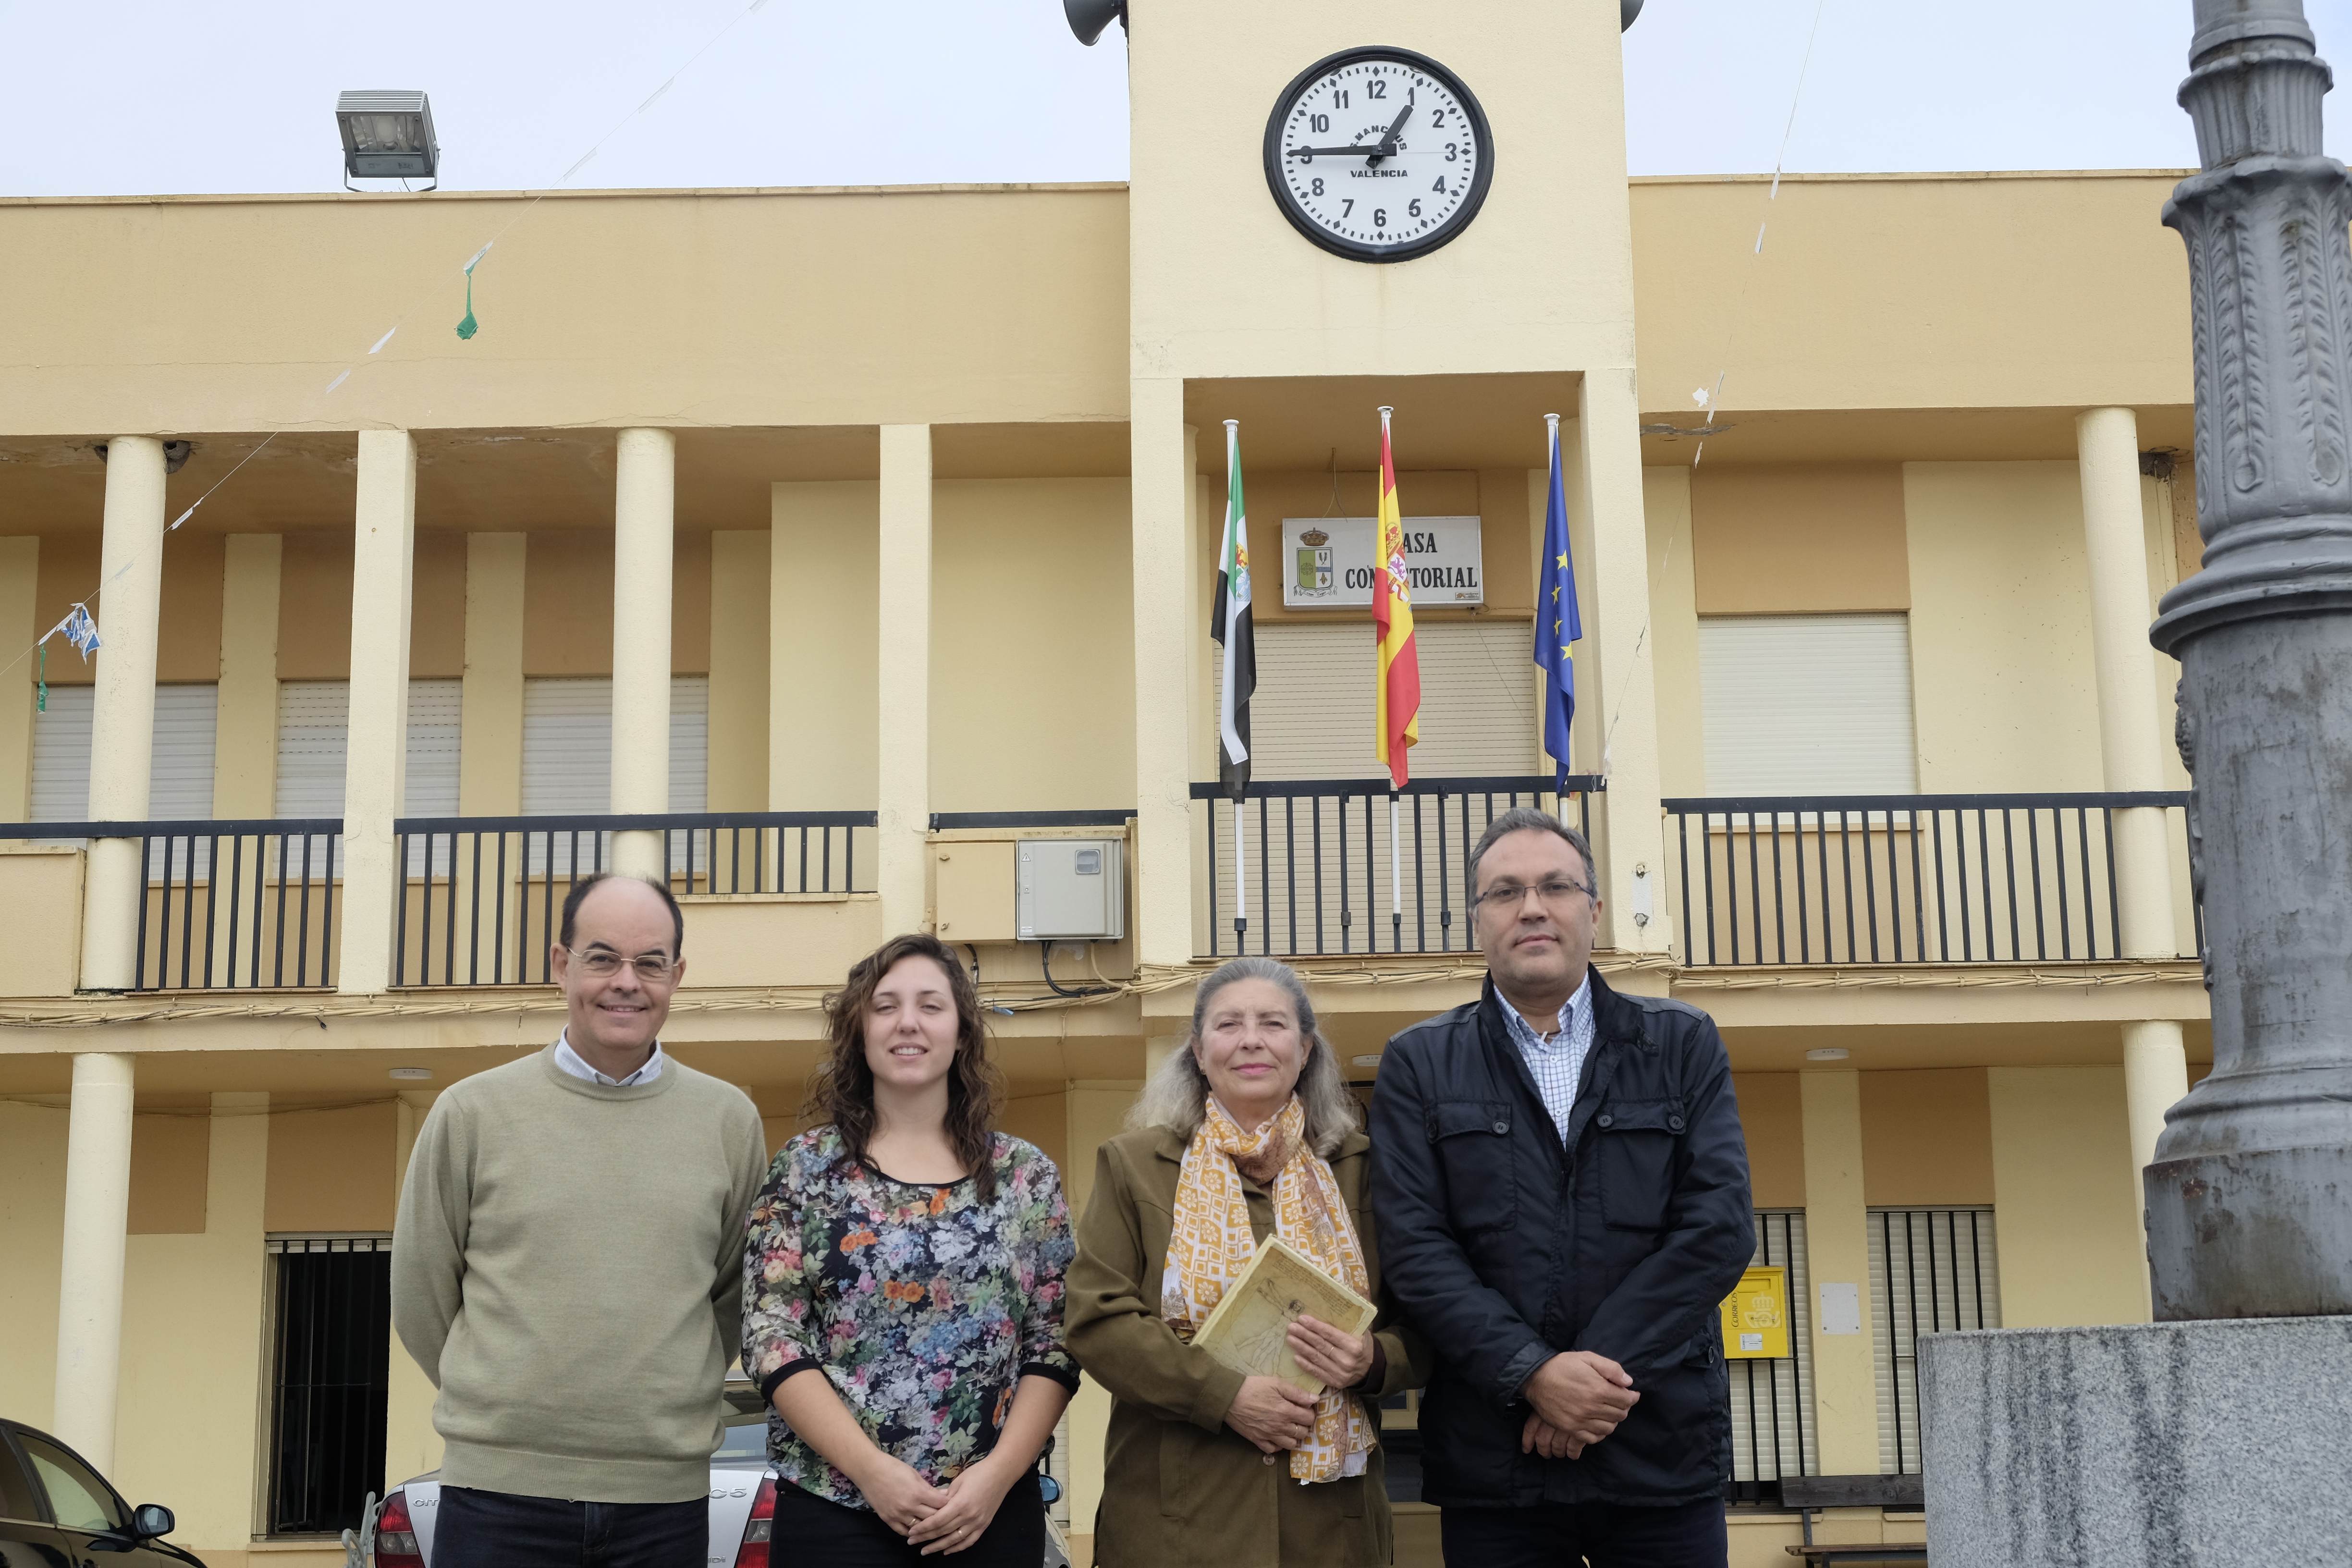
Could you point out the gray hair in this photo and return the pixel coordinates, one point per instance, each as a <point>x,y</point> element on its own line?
<point>1528,819</point>
<point>1176,1096</point>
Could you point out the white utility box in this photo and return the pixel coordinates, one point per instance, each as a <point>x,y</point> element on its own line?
<point>1070,889</point>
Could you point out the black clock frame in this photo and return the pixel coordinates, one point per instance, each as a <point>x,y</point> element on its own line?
<point>1355,251</point>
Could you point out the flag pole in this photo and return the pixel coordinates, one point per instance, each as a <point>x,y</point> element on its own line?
<point>1396,878</point>
<point>1240,887</point>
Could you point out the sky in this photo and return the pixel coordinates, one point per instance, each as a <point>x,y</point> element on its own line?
<point>129,97</point>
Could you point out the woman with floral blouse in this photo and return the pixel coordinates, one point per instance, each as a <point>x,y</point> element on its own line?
<point>903,1290</point>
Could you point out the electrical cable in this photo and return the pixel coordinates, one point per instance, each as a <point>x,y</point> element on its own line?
<point>1046,964</point>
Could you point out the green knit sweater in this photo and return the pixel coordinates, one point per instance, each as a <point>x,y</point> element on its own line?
<point>568,1269</point>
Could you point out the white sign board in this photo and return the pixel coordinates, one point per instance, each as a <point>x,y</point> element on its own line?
<point>1327,562</point>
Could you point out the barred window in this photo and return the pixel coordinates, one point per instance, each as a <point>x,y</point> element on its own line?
<point>1772,1401</point>
<point>331,1378</point>
<point>1932,1271</point>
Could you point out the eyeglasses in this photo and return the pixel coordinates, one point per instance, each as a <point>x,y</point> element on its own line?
<point>652,968</point>
<point>1556,892</point>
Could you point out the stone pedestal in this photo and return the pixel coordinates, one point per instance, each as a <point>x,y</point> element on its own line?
<point>2140,1446</point>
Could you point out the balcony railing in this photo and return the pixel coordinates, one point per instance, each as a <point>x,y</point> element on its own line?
<point>483,899</point>
<point>1321,873</point>
<point>229,905</point>
<point>1915,879</point>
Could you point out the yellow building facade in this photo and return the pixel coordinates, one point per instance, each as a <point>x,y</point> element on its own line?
<point>824,545</point>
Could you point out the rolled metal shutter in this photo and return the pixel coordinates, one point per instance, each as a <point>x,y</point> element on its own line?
<point>1807,705</point>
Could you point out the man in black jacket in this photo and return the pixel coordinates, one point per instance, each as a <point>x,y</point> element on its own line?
<point>1561,1189</point>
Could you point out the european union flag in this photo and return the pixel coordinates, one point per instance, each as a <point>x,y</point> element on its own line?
<point>1557,623</point>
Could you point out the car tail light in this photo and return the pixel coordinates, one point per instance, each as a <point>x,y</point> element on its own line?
<point>754,1553</point>
<point>395,1537</point>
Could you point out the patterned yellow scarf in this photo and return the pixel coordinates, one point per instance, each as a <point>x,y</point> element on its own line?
<point>1212,1242</point>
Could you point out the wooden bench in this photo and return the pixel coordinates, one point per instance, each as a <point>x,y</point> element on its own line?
<point>1810,1494</point>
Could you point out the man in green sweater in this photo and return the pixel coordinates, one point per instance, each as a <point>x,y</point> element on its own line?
<point>567,1266</point>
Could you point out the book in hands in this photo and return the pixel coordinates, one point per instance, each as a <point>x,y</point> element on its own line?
<point>1249,1331</point>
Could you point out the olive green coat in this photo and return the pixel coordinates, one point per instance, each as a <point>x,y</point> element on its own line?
<point>1181,1488</point>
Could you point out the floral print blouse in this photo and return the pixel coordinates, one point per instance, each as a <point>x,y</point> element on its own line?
<point>923,1305</point>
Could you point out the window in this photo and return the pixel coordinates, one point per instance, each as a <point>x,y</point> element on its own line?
<point>329,1384</point>
<point>78,1499</point>
<point>1807,705</point>
<point>1931,1271</point>
<point>567,745</point>
<point>314,721</point>
<point>1772,1431</point>
<point>179,778</point>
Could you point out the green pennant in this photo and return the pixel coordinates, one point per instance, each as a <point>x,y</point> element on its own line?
<point>468,327</point>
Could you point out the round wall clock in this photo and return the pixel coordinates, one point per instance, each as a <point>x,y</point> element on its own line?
<point>1378,153</point>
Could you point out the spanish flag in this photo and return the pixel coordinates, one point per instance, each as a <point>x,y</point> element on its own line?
<point>1398,695</point>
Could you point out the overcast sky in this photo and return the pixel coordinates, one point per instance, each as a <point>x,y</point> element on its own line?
<point>130,97</point>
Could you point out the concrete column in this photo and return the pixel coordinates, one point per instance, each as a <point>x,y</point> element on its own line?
<point>644,503</point>
<point>903,676</point>
<point>244,747</point>
<point>1157,1048</point>
<point>1837,1257</point>
<point>1633,845</point>
<point>1167,712</point>
<point>411,1445</point>
<point>384,561</point>
<point>97,1208</point>
<point>2115,544</point>
<point>122,722</point>
<point>739,672</point>
<point>2156,1079</point>
<point>20,572</point>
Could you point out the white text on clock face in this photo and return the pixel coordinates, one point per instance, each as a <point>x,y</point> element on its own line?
<point>1341,120</point>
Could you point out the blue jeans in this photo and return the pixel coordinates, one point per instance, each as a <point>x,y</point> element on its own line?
<point>1605,1534</point>
<point>501,1529</point>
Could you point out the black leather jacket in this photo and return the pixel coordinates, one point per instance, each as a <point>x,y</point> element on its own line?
<point>1504,1247</point>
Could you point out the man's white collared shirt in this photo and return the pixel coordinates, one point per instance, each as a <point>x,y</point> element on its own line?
<point>570,1061</point>
<point>1557,1059</point>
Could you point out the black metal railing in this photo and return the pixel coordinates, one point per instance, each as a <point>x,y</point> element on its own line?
<point>483,898</point>
<point>228,905</point>
<point>1322,872</point>
<point>1772,1400</point>
<point>1915,878</point>
<point>1932,1271</point>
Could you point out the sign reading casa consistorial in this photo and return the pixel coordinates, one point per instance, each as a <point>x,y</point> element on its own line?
<point>1327,562</point>
<point>1378,153</point>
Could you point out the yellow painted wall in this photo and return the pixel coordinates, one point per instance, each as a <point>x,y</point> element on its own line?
<point>1673,630</point>
<point>2066,1201</point>
<point>1032,689</point>
<point>1797,540</point>
<point>2003,692</point>
<point>1044,1120</point>
<point>1911,292</point>
<point>331,1168</point>
<point>169,1157</point>
<point>739,672</point>
<point>32,1237</point>
<point>1771,1114</point>
<point>194,1309</point>
<point>314,608</point>
<point>1927,1138</point>
<point>823,612</point>
<point>598,307</point>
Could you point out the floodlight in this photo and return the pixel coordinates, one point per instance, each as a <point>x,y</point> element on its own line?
<point>1626,11</point>
<point>387,134</point>
<point>1088,19</point>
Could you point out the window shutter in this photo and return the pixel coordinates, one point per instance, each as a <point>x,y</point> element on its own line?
<point>61,755</point>
<point>689,742</point>
<point>314,739</point>
<point>1931,1271</point>
<point>1773,1422</point>
<point>567,745</point>
<point>1807,705</point>
<point>435,708</point>
<point>180,776</point>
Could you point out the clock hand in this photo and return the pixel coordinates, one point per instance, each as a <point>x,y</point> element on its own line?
<point>1332,152</point>
<point>1387,147</point>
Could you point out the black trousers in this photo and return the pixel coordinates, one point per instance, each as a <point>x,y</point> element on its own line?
<point>826,1533</point>
<point>501,1529</point>
<point>1604,1535</point>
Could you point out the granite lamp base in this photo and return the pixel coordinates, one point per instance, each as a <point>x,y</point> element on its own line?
<point>2139,1446</point>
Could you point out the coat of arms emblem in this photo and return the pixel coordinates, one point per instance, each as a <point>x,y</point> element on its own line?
<point>1314,561</point>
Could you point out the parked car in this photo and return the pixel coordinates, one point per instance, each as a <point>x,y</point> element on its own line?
<point>56,1509</point>
<point>742,1499</point>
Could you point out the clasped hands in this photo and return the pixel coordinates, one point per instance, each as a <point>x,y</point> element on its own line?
<point>1578,1399</point>
<point>1277,1416</point>
<point>938,1519</point>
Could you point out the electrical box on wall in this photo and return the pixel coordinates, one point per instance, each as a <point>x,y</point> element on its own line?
<point>1070,889</point>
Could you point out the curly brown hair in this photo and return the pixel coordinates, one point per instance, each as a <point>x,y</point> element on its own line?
<point>844,1091</point>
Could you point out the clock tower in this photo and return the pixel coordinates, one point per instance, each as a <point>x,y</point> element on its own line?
<point>1338,206</point>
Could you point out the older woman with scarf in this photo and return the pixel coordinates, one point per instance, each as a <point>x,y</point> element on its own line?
<point>1247,1132</point>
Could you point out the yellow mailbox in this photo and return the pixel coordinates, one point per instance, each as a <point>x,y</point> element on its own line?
<point>1756,1317</point>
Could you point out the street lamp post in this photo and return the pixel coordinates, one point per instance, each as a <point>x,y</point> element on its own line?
<point>2250,1197</point>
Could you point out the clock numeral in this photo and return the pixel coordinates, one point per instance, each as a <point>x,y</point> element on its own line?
<point>1346,206</point>
<point>1414,210</point>
<point>1440,186</point>
<point>1318,184</point>
<point>1451,152</point>
<point>1339,100</point>
<point>1320,123</point>
<point>1375,88</point>
<point>1380,217</point>
<point>1437,121</point>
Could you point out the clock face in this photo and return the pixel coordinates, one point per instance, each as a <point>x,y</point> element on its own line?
<point>1378,154</point>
